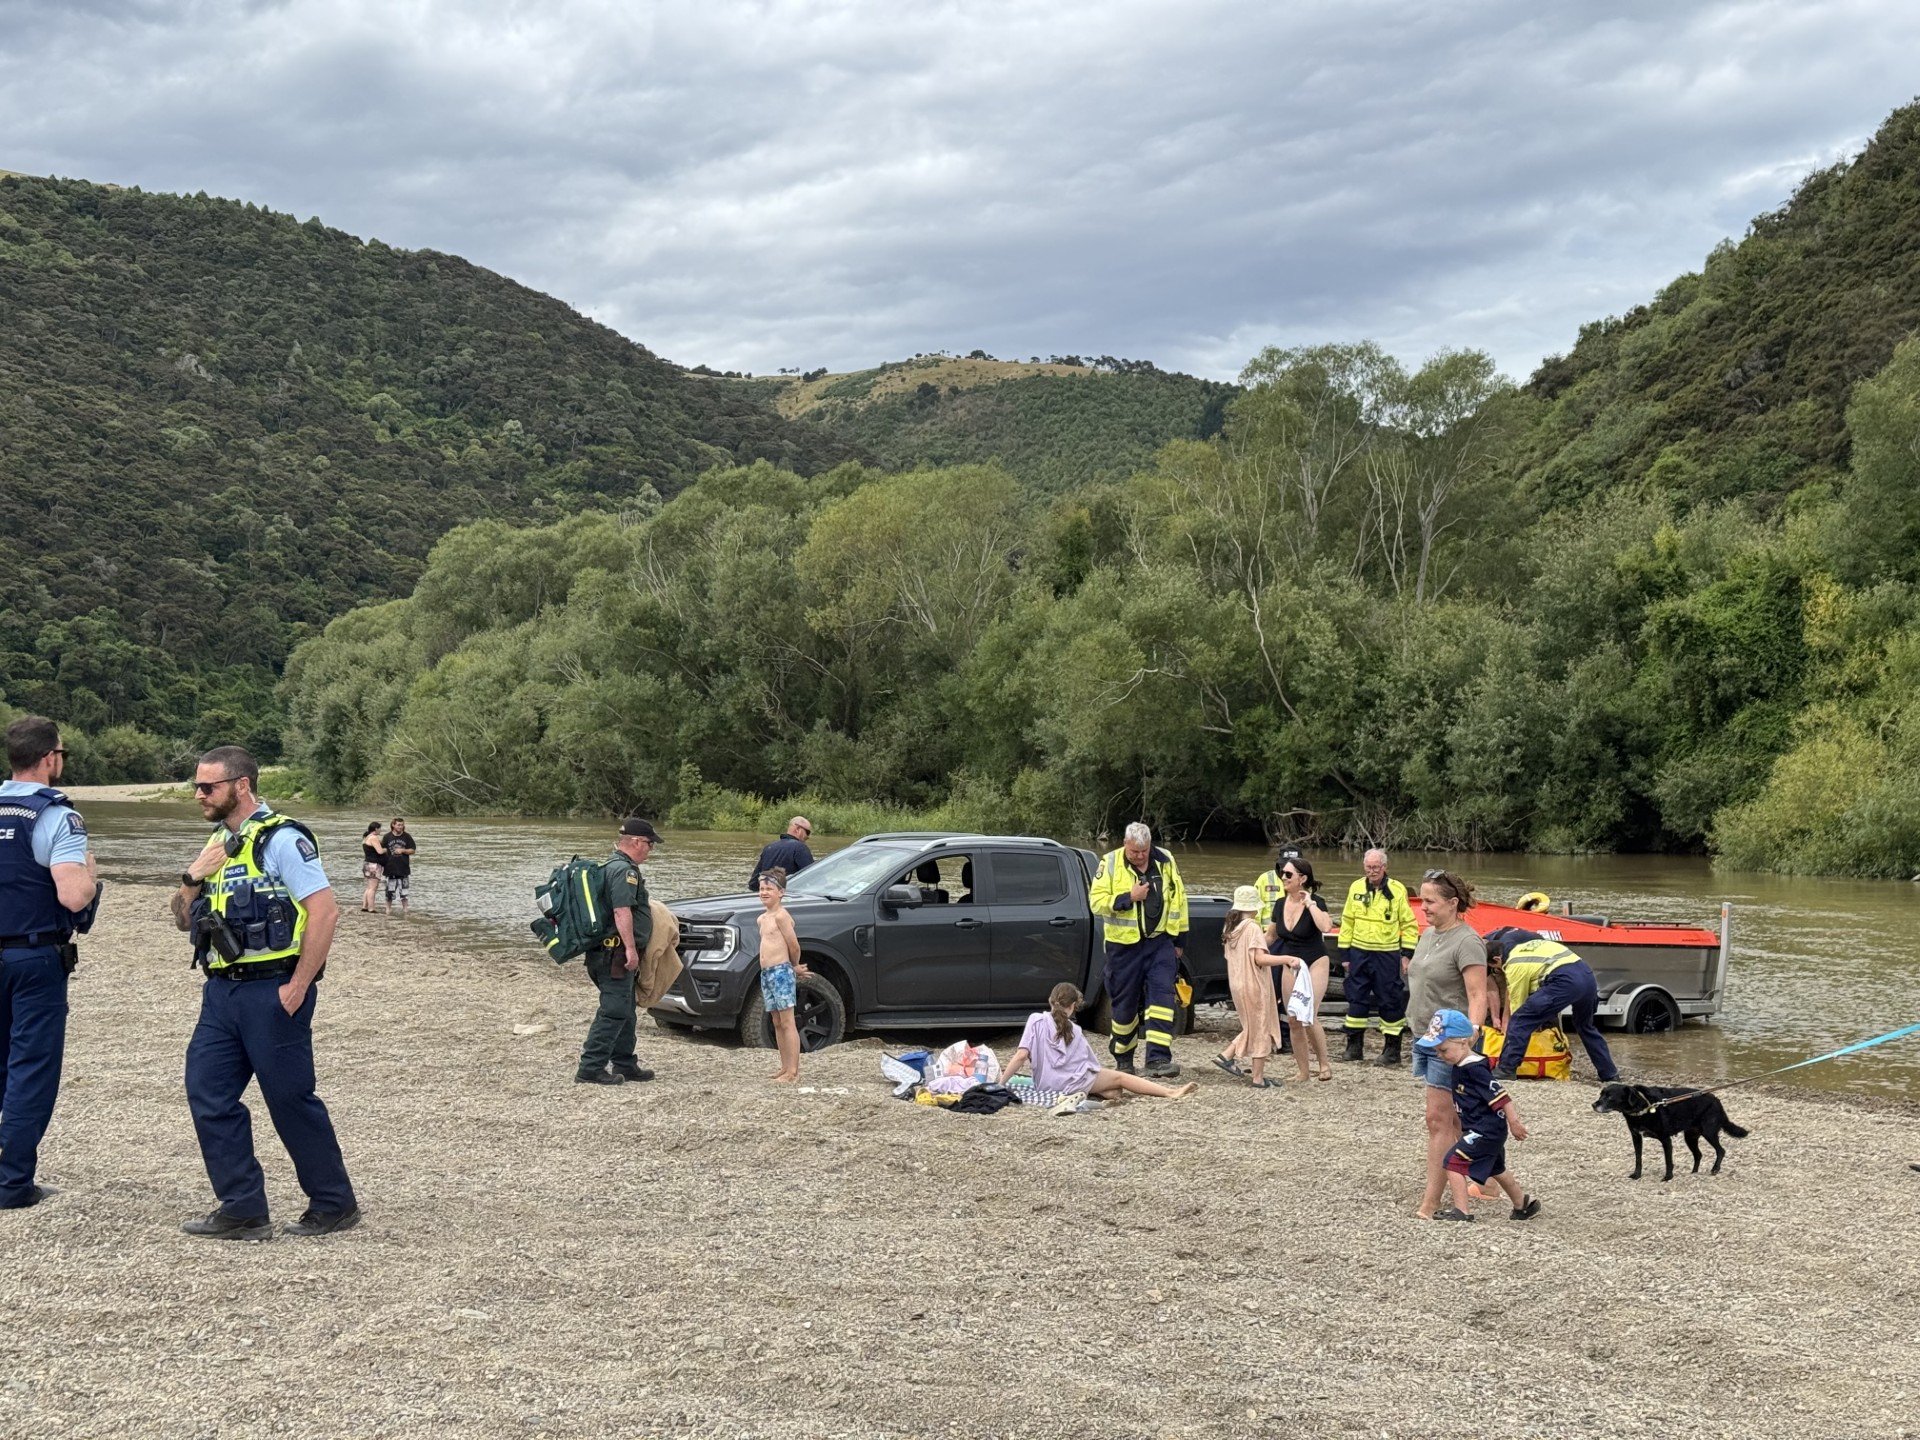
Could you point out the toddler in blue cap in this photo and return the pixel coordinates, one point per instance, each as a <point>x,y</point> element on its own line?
<point>1486,1115</point>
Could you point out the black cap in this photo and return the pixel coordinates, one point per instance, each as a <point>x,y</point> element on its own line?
<point>634,825</point>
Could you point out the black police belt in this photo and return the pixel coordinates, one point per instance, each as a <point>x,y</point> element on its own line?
<point>36,940</point>
<point>255,970</point>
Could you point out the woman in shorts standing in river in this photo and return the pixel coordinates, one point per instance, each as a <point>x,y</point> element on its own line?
<point>780,971</point>
<point>372,865</point>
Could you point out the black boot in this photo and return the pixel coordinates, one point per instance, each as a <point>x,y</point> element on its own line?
<point>1356,1045</point>
<point>1390,1052</point>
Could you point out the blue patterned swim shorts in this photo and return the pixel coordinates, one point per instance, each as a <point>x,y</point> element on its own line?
<point>777,986</point>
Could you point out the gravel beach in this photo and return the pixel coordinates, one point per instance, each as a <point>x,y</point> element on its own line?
<point>709,1254</point>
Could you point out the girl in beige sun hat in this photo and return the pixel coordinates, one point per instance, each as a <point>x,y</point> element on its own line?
<point>1250,978</point>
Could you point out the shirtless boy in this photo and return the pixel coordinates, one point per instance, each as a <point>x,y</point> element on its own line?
<point>780,971</point>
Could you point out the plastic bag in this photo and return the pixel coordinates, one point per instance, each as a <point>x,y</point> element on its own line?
<point>963,1061</point>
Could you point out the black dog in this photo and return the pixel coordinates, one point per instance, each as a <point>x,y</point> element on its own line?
<point>1690,1113</point>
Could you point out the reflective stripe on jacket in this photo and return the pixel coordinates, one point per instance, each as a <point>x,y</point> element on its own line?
<point>1378,920</point>
<point>1109,897</point>
<point>1530,962</point>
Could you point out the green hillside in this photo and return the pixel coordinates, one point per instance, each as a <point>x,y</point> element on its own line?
<point>1052,425</point>
<point>220,427</point>
<point>1735,379</point>
<point>1664,596</point>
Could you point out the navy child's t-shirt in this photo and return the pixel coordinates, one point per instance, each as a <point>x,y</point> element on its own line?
<point>1478,1098</point>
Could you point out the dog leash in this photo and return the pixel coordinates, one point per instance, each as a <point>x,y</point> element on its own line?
<point>1858,1045</point>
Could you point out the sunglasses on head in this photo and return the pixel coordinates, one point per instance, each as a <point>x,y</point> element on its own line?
<point>1434,875</point>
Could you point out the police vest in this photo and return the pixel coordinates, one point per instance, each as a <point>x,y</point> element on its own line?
<point>29,902</point>
<point>265,919</point>
<point>1270,888</point>
<point>1530,962</point>
<point>1116,878</point>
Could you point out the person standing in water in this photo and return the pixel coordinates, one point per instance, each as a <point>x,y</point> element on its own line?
<point>372,863</point>
<point>780,971</point>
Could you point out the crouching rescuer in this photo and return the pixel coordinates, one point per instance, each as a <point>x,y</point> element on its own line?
<point>1139,895</point>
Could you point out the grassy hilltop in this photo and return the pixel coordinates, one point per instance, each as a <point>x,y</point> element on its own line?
<point>1053,425</point>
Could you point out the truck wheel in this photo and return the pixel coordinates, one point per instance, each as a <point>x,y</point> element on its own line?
<point>818,1013</point>
<point>1652,1012</point>
<point>1099,1016</point>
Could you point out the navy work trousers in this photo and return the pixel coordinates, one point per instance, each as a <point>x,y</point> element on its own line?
<point>610,1038</point>
<point>1375,986</point>
<point>1139,980</point>
<point>33,1041</point>
<point>1572,987</point>
<point>246,1034</point>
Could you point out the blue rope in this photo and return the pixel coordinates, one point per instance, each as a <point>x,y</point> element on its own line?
<point>1857,1045</point>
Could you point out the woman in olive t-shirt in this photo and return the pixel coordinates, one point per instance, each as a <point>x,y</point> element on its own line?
<point>1448,971</point>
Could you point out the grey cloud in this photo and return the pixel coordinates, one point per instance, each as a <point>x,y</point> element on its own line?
<point>840,183</point>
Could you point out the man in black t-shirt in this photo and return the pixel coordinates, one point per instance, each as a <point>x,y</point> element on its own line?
<point>398,861</point>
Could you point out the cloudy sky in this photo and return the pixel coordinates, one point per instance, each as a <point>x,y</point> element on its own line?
<point>759,183</point>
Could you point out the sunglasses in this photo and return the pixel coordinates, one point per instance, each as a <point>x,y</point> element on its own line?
<point>1434,875</point>
<point>207,787</point>
<point>1289,874</point>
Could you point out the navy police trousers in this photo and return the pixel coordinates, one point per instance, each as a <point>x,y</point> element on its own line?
<point>1573,987</point>
<point>1139,980</point>
<point>1375,986</point>
<point>33,1041</point>
<point>246,1034</point>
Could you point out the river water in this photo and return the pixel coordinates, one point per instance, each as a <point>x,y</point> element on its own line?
<point>1817,963</point>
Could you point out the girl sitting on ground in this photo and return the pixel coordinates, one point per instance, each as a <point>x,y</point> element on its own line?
<point>1063,1061</point>
<point>1250,979</point>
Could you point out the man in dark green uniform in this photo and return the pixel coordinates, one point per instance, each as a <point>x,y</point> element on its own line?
<point>608,1058</point>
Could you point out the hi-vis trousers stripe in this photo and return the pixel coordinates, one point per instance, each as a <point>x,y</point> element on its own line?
<point>1160,1026</point>
<point>1123,1037</point>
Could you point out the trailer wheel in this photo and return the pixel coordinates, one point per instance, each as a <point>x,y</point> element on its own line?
<point>1652,1012</point>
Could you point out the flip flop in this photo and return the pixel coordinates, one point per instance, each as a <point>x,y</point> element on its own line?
<point>1526,1211</point>
<point>1261,1085</point>
<point>1451,1214</point>
<point>1232,1067</point>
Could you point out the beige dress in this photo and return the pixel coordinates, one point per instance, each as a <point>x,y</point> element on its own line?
<point>1252,987</point>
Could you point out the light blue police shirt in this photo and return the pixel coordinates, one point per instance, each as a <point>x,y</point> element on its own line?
<point>290,858</point>
<point>59,835</point>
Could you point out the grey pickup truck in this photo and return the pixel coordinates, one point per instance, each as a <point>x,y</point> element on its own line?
<point>921,930</point>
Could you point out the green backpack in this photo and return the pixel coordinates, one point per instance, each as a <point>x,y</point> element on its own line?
<point>574,913</point>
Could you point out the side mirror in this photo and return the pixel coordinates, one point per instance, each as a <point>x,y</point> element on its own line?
<point>902,897</point>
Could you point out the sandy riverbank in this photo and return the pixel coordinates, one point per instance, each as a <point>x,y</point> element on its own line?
<point>156,790</point>
<point>710,1255</point>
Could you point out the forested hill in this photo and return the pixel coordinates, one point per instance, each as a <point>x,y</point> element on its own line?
<point>1054,424</point>
<point>220,427</point>
<point>1735,380</point>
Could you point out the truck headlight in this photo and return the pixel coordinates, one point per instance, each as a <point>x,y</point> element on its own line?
<point>708,947</point>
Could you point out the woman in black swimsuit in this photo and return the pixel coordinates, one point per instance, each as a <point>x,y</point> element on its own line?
<point>372,854</point>
<point>1299,920</point>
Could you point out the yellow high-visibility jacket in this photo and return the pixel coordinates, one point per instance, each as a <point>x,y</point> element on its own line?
<point>1109,898</point>
<point>1378,920</point>
<point>1530,962</point>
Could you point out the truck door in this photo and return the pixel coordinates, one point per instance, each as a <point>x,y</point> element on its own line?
<point>935,957</point>
<point>1041,926</point>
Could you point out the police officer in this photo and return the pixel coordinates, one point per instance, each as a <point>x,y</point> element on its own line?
<point>262,916</point>
<point>608,1058</point>
<point>48,885</point>
<point>1377,934</point>
<point>1542,978</point>
<point>1138,893</point>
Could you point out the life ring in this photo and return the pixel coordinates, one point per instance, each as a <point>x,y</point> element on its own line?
<point>1536,902</point>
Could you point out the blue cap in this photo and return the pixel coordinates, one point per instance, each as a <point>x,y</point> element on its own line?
<point>1447,1025</point>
